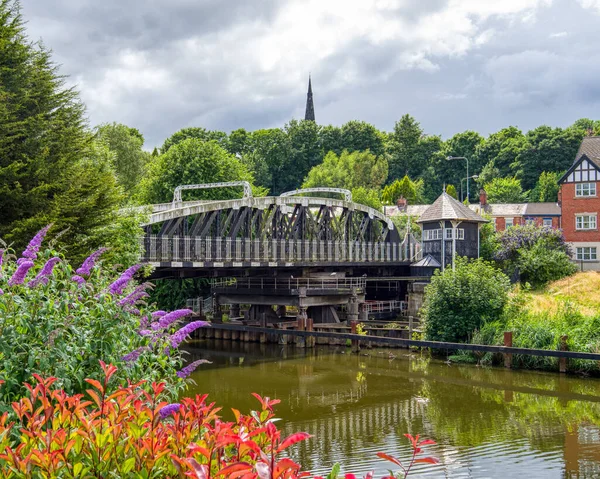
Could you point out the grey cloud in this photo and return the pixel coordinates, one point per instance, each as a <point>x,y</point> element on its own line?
<point>521,75</point>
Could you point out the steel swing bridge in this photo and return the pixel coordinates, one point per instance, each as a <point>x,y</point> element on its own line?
<point>274,231</point>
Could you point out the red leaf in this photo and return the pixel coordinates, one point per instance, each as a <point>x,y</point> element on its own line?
<point>349,476</point>
<point>283,466</point>
<point>427,442</point>
<point>293,439</point>
<point>96,384</point>
<point>237,467</point>
<point>428,460</point>
<point>387,457</point>
<point>199,469</point>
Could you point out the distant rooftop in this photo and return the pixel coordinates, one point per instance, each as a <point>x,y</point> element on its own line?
<point>447,208</point>
<point>590,147</point>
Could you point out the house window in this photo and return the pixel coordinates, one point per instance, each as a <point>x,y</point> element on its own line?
<point>585,189</point>
<point>586,253</point>
<point>547,222</point>
<point>510,222</point>
<point>460,233</point>
<point>585,222</point>
<point>530,221</point>
<point>431,235</point>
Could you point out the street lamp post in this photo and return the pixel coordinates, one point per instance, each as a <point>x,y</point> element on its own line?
<point>467,160</point>
<point>463,179</point>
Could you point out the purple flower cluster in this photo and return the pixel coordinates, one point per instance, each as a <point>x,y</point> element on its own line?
<point>518,238</point>
<point>169,409</point>
<point>134,355</point>
<point>78,279</point>
<point>143,322</point>
<point>19,275</point>
<point>121,283</point>
<point>1,256</point>
<point>179,337</point>
<point>190,368</point>
<point>86,267</point>
<point>1,291</point>
<point>168,319</point>
<point>133,298</point>
<point>158,314</point>
<point>44,274</point>
<point>33,247</point>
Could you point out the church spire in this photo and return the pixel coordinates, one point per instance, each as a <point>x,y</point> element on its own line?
<point>310,107</point>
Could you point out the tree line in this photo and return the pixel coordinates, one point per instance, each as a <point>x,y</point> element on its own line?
<point>55,168</point>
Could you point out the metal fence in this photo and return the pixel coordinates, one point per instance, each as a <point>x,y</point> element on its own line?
<point>188,248</point>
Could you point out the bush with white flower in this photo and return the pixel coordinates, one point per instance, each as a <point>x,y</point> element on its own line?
<point>60,322</point>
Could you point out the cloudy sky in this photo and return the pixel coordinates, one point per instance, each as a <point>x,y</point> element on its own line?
<point>161,65</point>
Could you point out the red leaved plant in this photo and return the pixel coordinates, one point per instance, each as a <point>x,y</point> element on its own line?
<point>133,433</point>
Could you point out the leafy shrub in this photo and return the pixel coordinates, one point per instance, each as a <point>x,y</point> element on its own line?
<point>58,322</point>
<point>461,301</point>
<point>135,433</point>
<point>536,254</point>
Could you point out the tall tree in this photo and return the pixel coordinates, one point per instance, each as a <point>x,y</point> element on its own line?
<point>349,170</point>
<point>546,188</point>
<point>405,188</point>
<point>128,158</point>
<point>362,136</point>
<point>195,132</point>
<point>403,148</point>
<point>305,152</point>
<point>505,190</point>
<point>48,172</point>
<point>267,154</point>
<point>193,161</point>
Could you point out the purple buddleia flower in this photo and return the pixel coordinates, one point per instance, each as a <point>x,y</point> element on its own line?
<point>133,356</point>
<point>1,292</point>
<point>119,285</point>
<point>78,279</point>
<point>133,298</point>
<point>169,409</point>
<point>143,322</point>
<point>33,247</point>
<point>173,316</point>
<point>1,257</point>
<point>43,275</point>
<point>155,326</point>
<point>158,314</point>
<point>190,368</point>
<point>19,275</point>
<point>145,332</point>
<point>129,272</point>
<point>86,267</point>
<point>179,337</point>
<point>135,311</point>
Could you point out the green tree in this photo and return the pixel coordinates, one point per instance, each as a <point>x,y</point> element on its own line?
<point>367,197</point>
<point>503,147</point>
<point>403,148</point>
<point>50,171</point>
<point>546,189</point>
<point>129,160</point>
<point>330,138</point>
<point>505,190</point>
<point>198,133</point>
<point>362,136</point>
<point>238,141</point>
<point>461,301</point>
<point>412,191</point>
<point>349,170</point>
<point>267,154</point>
<point>451,190</point>
<point>304,153</point>
<point>193,161</point>
<point>589,127</point>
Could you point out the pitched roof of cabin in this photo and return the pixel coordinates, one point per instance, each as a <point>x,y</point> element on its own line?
<point>427,262</point>
<point>447,208</point>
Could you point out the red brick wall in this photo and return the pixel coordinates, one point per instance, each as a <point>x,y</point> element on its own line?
<point>571,206</point>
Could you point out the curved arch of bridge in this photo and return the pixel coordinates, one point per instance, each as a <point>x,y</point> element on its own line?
<point>278,217</point>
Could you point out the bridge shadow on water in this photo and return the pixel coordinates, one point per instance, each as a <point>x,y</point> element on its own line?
<point>487,422</point>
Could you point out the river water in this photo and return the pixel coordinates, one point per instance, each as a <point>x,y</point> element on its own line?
<point>487,422</point>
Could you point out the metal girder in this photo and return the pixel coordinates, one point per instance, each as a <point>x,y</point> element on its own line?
<point>180,188</point>
<point>341,191</point>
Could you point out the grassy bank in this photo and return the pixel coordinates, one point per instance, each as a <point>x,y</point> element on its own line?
<point>569,307</point>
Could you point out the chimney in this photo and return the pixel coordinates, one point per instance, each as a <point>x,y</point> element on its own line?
<point>401,203</point>
<point>482,197</point>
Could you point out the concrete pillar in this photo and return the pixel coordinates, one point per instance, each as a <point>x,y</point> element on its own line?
<point>363,315</point>
<point>301,318</point>
<point>353,307</point>
<point>217,316</point>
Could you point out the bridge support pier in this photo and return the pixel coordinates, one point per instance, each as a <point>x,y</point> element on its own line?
<point>353,307</point>
<point>234,311</point>
<point>363,315</point>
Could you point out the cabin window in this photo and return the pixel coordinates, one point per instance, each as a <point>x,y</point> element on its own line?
<point>548,222</point>
<point>431,235</point>
<point>460,233</point>
<point>585,189</point>
<point>585,222</point>
<point>586,253</point>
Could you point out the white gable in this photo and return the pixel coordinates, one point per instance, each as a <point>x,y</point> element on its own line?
<point>585,171</point>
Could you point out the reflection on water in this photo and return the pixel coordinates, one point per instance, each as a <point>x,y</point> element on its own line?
<point>488,423</point>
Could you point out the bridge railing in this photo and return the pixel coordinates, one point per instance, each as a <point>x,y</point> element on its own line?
<point>188,248</point>
<point>288,284</point>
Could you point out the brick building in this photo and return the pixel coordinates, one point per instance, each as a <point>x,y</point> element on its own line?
<point>580,204</point>
<point>576,211</point>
